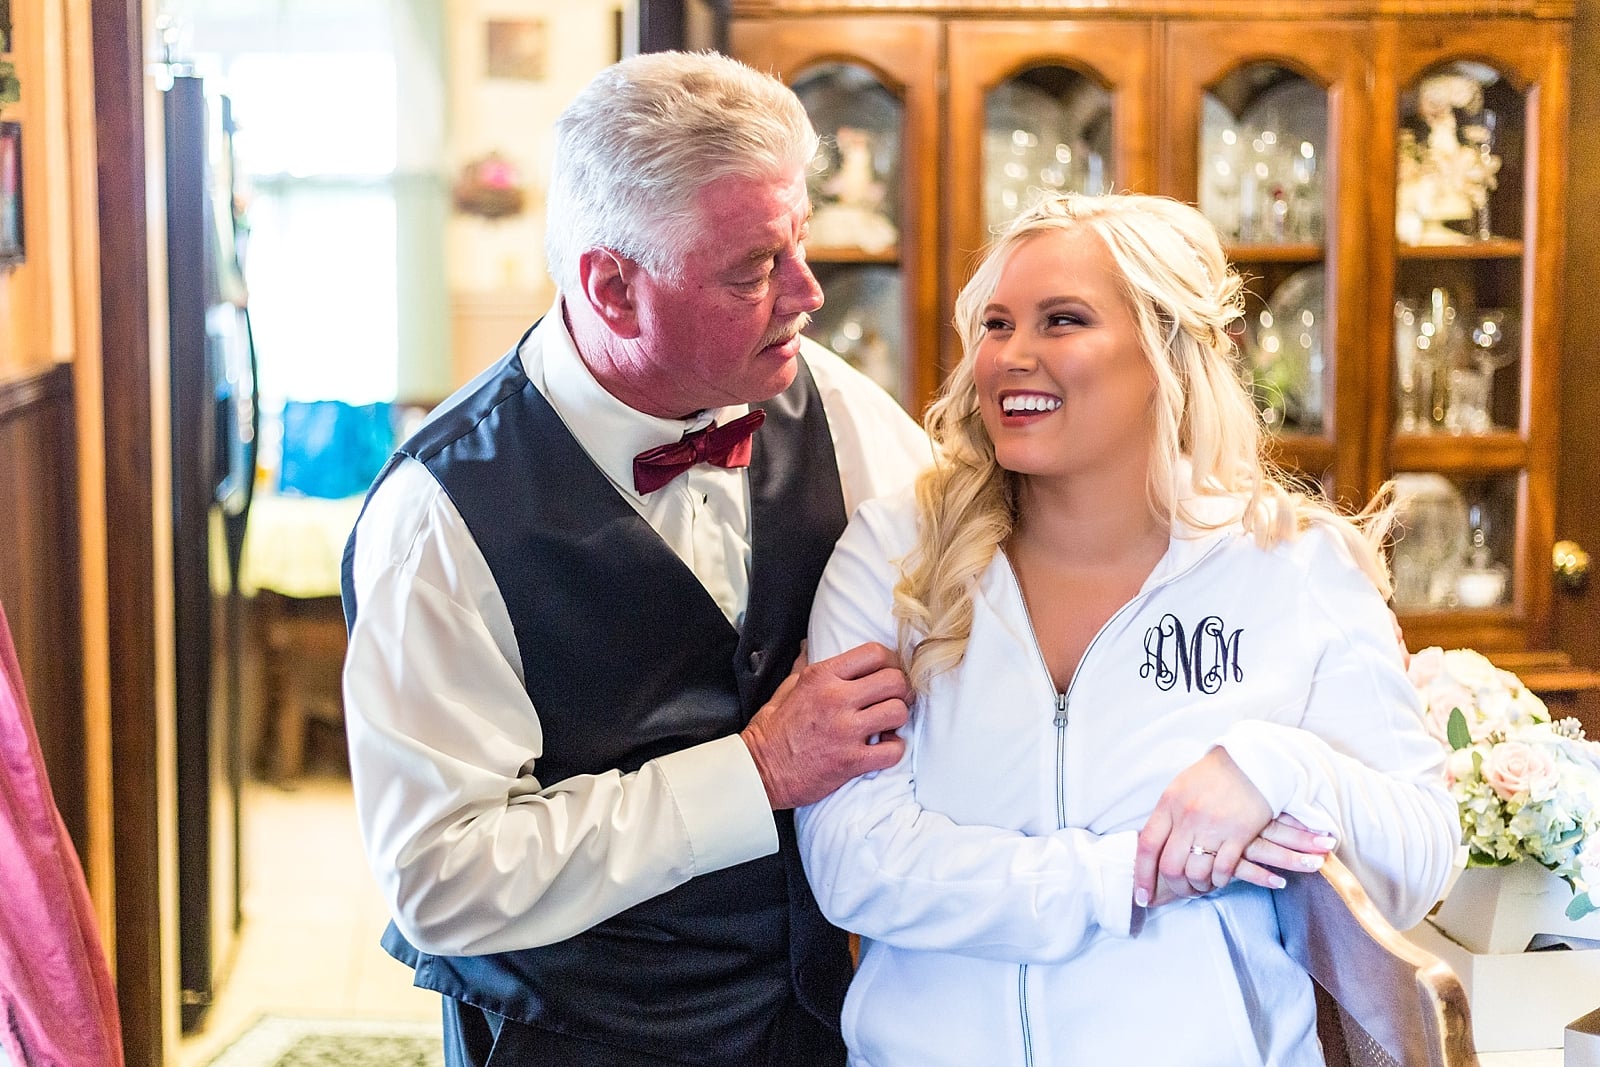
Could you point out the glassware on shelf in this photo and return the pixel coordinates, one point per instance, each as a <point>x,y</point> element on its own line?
<point>861,321</point>
<point>1261,172</point>
<point>1283,346</point>
<point>1432,542</point>
<point>1445,364</point>
<point>1480,134</point>
<point>1495,342</point>
<point>1438,387</point>
<point>1481,583</point>
<point>1408,372</point>
<point>1038,142</point>
<point>1467,402</point>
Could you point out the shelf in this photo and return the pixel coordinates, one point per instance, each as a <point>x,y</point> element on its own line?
<point>1309,454</point>
<point>1499,615</point>
<point>1463,454</point>
<point>817,254</point>
<point>1493,248</point>
<point>1274,253</point>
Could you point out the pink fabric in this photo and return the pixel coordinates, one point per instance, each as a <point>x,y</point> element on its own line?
<point>58,1007</point>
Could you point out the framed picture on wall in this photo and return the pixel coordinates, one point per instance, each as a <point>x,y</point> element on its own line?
<point>515,49</point>
<point>10,193</point>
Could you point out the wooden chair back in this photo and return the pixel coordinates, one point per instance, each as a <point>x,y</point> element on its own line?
<point>1381,1000</point>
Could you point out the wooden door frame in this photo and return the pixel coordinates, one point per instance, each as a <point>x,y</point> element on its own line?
<point>139,688</point>
<point>1578,477</point>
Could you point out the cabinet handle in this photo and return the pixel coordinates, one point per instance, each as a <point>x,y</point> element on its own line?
<point>1571,564</point>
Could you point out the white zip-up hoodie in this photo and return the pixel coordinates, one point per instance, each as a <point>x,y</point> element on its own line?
<point>990,873</point>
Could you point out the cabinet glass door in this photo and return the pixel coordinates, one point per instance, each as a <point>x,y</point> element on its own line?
<point>1459,224</point>
<point>1466,342</point>
<point>1460,133</point>
<point>1256,134</point>
<point>856,196</point>
<point>868,86</point>
<point>1263,148</point>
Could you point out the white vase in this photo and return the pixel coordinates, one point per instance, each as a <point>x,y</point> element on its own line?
<point>1500,909</point>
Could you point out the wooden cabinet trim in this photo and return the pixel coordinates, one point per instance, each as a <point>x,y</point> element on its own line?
<point>1306,10</point>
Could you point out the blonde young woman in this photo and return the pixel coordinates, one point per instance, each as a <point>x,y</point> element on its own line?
<point>1140,661</point>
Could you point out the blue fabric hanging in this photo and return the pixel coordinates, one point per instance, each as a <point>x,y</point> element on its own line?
<point>333,449</point>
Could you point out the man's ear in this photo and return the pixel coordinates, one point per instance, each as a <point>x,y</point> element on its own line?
<point>607,279</point>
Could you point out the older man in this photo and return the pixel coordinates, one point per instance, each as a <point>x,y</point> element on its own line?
<point>578,710</point>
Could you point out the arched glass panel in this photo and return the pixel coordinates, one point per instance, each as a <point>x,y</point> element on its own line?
<point>1459,157</point>
<point>1046,130</point>
<point>855,178</point>
<point>1263,151</point>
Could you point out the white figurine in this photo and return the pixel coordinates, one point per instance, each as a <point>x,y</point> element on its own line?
<point>852,217</point>
<point>1444,179</point>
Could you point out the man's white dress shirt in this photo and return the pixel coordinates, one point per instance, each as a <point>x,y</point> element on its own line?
<point>473,853</point>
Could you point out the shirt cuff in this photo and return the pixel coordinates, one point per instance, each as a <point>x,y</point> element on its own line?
<point>1253,748</point>
<point>723,804</point>
<point>1271,755</point>
<point>1116,884</point>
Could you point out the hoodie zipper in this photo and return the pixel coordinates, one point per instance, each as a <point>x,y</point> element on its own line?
<point>1060,721</point>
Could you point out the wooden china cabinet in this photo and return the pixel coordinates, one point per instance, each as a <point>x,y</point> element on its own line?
<point>1388,175</point>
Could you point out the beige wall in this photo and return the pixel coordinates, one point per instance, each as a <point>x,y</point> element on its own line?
<point>496,268</point>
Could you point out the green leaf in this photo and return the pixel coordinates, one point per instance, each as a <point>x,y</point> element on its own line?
<point>1460,736</point>
<point>1476,858</point>
<point>1581,905</point>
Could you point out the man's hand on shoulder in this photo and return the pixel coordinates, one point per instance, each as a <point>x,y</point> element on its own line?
<point>818,730</point>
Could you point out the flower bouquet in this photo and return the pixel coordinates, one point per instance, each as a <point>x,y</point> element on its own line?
<point>1526,787</point>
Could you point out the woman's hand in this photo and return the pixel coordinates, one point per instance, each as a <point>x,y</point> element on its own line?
<point>1212,825</point>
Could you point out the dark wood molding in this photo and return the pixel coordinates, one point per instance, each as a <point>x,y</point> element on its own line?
<point>39,574</point>
<point>119,86</point>
<point>17,394</point>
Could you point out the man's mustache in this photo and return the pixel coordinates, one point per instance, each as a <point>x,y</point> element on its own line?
<point>781,333</point>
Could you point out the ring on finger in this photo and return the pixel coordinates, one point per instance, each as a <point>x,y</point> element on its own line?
<point>1196,850</point>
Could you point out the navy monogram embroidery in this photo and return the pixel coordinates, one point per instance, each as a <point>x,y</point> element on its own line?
<point>1203,661</point>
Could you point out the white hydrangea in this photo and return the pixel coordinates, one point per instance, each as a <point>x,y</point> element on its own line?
<point>1539,797</point>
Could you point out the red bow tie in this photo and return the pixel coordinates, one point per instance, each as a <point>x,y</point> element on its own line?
<point>724,446</point>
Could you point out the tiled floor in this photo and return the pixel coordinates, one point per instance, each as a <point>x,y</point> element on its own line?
<point>309,946</point>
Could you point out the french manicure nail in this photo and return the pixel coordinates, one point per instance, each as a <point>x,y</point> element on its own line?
<point>1311,863</point>
<point>1141,897</point>
<point>1326,842</point>
<point>1278,882</point>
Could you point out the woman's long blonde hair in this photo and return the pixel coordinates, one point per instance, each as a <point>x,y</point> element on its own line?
<point>1184,295</point>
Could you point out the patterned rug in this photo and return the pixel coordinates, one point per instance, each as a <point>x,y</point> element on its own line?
<point>276,1041</point>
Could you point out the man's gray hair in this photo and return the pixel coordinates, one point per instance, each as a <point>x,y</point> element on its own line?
<point>645,136</point>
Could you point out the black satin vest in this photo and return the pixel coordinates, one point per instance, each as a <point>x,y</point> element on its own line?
<point>627,658</point>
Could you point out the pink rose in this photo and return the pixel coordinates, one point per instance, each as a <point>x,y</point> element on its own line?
<point>1514,769</point>
<point>1425,666</point>
<point>1445,698</point>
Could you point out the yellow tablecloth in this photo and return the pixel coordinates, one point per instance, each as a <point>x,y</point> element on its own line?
<point>292,545</point>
